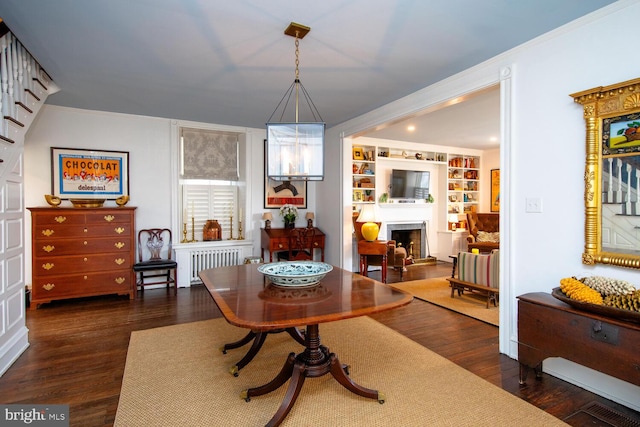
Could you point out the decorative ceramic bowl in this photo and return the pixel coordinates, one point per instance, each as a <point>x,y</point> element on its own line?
<point>295,273</point>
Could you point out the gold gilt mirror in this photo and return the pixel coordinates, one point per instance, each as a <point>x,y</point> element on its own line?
<point>612,174</point>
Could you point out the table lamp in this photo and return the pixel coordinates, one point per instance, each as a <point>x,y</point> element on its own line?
<point>453,219</point>
<point>267,216</point>
<point>370,229</point>
<point>309,216</point>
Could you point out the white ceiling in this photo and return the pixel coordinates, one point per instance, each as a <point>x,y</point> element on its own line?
<point>471,122</point>
<point>228,62</point>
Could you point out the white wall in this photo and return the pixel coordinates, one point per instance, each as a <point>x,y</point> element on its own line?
<point>547,161</point>
<point>152,152</point>
<point>542,155</point>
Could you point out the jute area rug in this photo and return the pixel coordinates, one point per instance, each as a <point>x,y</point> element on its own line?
<point>437,291</point>
<point>177,376</point>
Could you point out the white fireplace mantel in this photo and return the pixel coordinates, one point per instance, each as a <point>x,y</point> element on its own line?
<point>405,212</point>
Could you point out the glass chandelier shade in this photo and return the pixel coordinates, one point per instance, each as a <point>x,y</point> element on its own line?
<point>295,148</point>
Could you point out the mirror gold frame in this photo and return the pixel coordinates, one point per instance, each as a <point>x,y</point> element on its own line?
<point>612,174</point>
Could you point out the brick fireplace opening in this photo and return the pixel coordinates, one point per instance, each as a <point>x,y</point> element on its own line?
<point>407,233</point>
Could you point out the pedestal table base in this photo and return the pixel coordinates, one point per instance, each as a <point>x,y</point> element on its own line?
<point>315,361</point>
<point>258,340</point>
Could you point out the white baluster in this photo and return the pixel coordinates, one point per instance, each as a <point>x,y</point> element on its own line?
<point>14,73</point>
<point>38,71</point>
<point>4,107</point>
<point>610,181</point>
<point>619,182</point>
<point>28,80</point>
<point>635,194</point>
<point>20,65</point>
<point>627,201</point>
<point>10,100</point>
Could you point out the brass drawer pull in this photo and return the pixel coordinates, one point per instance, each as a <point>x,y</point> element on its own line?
<point>48,286</point>
<point>119,230</point>
<point>119,280</point>
<point>48,248</point>
<point>48,266</point>
<point>119,245</point>
<point>109,218</point>
<point>119,261</point>
<point>60,219</point>
<point>47,232</point>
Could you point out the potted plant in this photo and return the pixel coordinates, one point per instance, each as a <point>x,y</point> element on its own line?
<point>289,213</point>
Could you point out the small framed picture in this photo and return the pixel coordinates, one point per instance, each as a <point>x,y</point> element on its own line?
<point>357,196</point>
<point>358,153</point>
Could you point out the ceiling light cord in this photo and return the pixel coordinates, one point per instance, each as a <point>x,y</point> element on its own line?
<point>299,89</point>
<point>297,79</point>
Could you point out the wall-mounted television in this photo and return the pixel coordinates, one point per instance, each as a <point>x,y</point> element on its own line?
<point>407,184</point>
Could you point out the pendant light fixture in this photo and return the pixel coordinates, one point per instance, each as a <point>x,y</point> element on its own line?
<point>295,143</point>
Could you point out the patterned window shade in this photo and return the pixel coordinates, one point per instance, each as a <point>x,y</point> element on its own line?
<point>211,155</point>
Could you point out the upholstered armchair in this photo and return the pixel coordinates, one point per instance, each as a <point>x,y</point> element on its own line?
<point>484,231</point>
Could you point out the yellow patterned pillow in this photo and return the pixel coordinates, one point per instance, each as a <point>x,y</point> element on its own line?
<point>489,237</point>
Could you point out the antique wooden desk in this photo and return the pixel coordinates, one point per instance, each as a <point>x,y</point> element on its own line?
<point>277,240</point>
<point>547,327</point>
<point>247,299</point>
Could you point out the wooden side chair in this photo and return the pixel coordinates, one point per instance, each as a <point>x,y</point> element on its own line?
<point>300,245</point>
<point>155,266</point>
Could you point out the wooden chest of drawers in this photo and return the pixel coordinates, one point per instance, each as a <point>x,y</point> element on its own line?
<point>78,252</point>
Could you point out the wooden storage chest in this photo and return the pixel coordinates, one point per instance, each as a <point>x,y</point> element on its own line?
<point>547,327</point>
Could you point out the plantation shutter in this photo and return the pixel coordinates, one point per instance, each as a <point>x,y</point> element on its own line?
<point>205,202</point>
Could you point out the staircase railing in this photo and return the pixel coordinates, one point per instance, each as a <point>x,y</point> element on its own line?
<point>621,184</point>
<point>621,204</point>
<point>24,87</point>
<point>22,81</point>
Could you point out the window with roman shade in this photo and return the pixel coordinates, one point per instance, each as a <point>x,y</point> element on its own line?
<point>209,179</point>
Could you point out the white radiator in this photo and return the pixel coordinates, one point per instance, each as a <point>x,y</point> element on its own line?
<point>194,257</point>
<point>212,258</point>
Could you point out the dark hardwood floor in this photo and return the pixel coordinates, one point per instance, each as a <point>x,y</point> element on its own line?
<point>79,347</point>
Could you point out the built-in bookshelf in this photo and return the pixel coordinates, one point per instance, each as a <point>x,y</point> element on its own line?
<point>370,162</point>
<point>364,175</point>
<point>463,188</point>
